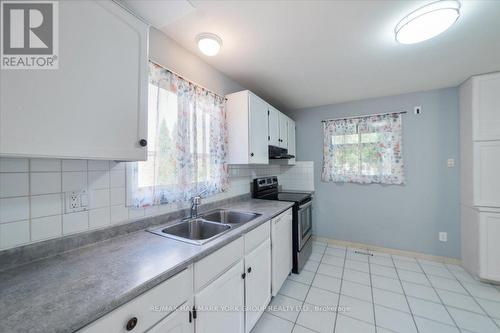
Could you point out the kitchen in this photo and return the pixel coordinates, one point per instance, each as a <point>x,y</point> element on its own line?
<point>216,166</point>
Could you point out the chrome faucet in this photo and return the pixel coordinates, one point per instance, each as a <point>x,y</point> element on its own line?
<point>195,202</point>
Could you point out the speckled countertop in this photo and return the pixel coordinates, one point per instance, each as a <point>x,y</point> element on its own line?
<point>65,292</point>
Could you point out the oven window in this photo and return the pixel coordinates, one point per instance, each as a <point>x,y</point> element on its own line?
<point>305,218</point>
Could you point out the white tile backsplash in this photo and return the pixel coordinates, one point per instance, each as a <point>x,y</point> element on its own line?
<point>45,164</point>
<point>99,198</point>
<point>13,164</point>
<point>74,165</point>
<point>75,222</point>
<point>45,182</point>
<point>117,178</point>
<point>33,190</point>
<point>14,209</point>
<point>46,227</point>
<point>98,179</point>
<point>98,165</point>
<point>117,196</point>
<point>14,184</point>
<point>74,181</point>
<point>99,218</point>
<point>46,205</point>
<point>15,233</point>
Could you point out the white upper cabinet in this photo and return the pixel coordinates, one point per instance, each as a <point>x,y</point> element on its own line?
<point>253,125</point>
<point>291,140</point>
<point>283,140</point>
<point>95,105</point>
<point>486,106</point>
<point>274,127</point>
<point>247,120</point>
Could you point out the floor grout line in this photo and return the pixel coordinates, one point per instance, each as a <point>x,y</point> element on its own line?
<point>340,293</point>
<point>373,298</point>
<point>305,297</point>
<point>475,300</point>
<point>406,297</point>
<point>442,303</point>
<point>396,269</point>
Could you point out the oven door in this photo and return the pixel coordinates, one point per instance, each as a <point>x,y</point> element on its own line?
<point>304,216</point>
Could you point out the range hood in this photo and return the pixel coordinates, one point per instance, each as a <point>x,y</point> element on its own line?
<point>277,153</point>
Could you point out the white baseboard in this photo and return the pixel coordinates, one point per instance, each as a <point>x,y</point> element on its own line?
<point>444,260</point>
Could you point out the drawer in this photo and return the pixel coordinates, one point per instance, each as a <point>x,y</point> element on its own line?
<point>257,236</point>
<point>165,298</point>
<point>210,267</point>
<point>288,214</point>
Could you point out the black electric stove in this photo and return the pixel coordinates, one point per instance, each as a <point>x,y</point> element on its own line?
<point>267,188</point>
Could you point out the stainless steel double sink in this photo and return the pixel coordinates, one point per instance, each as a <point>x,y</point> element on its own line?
<point>205,227</point>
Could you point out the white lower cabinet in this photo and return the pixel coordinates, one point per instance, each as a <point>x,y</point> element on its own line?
<point>257,283</point>
<point>231,287</point>
<point>489,246</point>
<point>150,308</point>
<point>180,321</point>
<point>281,240</point>
<point>219,306</point>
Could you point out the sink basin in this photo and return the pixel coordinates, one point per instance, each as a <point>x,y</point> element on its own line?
<point>229,217</point>
<point>195,231</point>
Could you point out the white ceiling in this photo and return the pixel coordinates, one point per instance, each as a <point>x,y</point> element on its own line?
<point>300,54</point>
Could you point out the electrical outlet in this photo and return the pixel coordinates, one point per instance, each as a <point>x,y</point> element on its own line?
<point>417,109</point>
<point>76,201</point>
<point>451,162</point>
<point>443,236</point>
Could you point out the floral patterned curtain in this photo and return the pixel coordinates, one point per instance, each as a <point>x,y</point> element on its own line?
<point>187,142</point>
<point>364,150</point>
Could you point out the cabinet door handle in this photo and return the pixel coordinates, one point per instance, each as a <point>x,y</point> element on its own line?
<point>251,154</point>
<point>249,269</point>
<point>143,142</point>
<point>244,275</point>
<point>131,323</point>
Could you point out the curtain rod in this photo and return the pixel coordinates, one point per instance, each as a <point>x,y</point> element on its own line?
<point>192,82</point>
<point>366,115</point>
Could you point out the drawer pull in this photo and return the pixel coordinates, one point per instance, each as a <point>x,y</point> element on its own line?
<point>131,324</point>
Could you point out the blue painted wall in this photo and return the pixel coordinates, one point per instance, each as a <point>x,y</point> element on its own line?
<point>406,217</point>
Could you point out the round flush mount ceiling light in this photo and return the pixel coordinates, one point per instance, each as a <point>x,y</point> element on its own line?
<point>209,44</point>
<point>427,21</point>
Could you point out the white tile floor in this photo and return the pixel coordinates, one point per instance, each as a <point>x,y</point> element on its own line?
<point>380,294</point>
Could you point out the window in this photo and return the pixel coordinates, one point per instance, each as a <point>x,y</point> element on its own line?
<point>363,150</point>
<point>187,143</point>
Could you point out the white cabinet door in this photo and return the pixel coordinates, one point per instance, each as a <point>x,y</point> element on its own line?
<point>486,173</point>
<point>291,140</point>
<point>94,106</point>
<point>283,141</point>
<point>180,321</point>
<point>257,283</point>
<point>489,246</point>
<point>486,107</point>
<point>223,301</point>
<point>258,130</point>
<point>281,241</point>
<point>274,127</point>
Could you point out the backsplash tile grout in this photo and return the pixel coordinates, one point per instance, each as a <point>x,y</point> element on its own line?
<point>30,217</point>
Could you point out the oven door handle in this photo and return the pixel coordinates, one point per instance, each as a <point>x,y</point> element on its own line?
<point>304,206</point>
